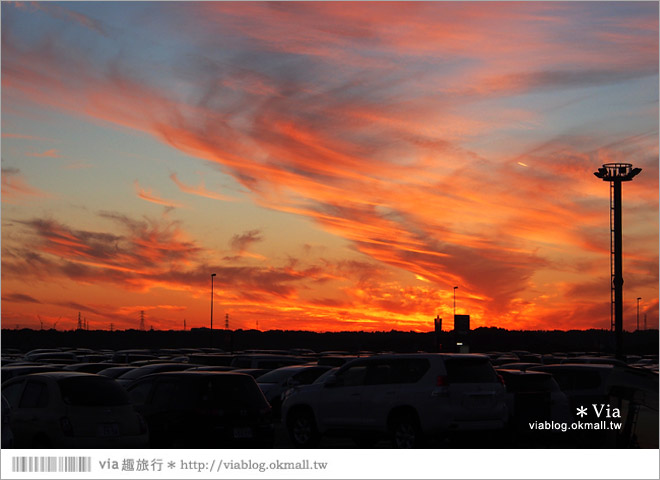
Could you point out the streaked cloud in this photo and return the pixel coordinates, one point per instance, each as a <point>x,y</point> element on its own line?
<point>153,198</point>
<point>51,153</point>
<point>444,144</point>
<point>199,190</point>
<point>15,188</point>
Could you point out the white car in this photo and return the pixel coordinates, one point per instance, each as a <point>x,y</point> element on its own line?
<point>72,410</point>
<point>408,396</point>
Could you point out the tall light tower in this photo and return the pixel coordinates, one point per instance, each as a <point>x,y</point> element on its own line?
<point>616,173</point>
<point>212,275</point>
<point>638,299</point>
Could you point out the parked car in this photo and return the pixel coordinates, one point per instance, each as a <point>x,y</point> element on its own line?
<point>211,359</point>
<point>72,410</point>
<point>7,434</point>
<point>114,372</point>
<point>11,371</point>
<point>134,355</point>
<point>274,383</point>
<point>265,361</point>
<point>89,367</point>
<point>406,396</point>
<point>634,391</point>
<point>595,360</point>
<point>588,383</point>
<point>533,397</point>
<point>253,372</point>
<point>198,409</point>
<point>64,358</point>
<point>335,360</point>
<point>522,366</point>
<point>130,376</point>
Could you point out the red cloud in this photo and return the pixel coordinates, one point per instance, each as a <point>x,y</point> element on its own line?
<point>376,131</point>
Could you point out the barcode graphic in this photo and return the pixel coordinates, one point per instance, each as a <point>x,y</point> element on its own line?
<point>51,464</point>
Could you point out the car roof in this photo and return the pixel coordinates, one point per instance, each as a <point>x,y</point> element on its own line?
<point>60,374</point>
<point>424,355</point>
<point>521,373</point>
<point>576,366</point>
<point>293,368</point>
<point>193,373</point>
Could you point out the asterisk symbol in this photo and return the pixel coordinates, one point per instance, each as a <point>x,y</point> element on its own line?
<point>171,465</point>
<point>582,411</point>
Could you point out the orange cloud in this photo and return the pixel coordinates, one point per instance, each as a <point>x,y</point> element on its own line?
<point>199,190</point>
<point>380,132</point>
<point>150,197</point>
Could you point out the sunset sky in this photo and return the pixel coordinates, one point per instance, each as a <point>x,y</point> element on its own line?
<point>339,166</point>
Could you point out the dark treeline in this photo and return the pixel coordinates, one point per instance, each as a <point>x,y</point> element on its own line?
<point>479,340</point>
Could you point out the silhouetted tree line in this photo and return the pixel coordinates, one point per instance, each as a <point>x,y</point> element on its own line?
<point>483,339</point>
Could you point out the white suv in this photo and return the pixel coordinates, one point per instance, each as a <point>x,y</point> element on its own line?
<point>408,396</point>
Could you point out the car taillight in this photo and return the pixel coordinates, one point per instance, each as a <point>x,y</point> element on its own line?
<point>65,425</point>
<point>501,379</point>
<point>442,381</point>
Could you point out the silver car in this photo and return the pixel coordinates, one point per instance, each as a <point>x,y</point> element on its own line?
<point>406,396</point>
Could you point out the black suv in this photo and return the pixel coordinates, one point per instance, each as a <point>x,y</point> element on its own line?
<point>198,409</point>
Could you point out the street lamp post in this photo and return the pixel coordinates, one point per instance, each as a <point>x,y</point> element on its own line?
<point>616,174</point>
<point>455,303</point>
<point>638,299</point>
<point>212,275</point>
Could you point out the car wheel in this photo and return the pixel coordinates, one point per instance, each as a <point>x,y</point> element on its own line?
<point>302,429</point>
<point>405,432</point>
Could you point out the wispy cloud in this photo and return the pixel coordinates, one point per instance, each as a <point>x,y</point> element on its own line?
<point>58,11</point>
<point>19,298</point>
<point>381,132</point>
<point>15,189</point>
<point>25,137</point>
<point>150,197</point>
<point>199,190</point>
<point>51,153</point>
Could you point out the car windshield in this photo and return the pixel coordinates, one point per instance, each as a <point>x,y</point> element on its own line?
<point>92,391</point>
<point>230,391</point>
<point>275,376</point>
<point>325,375</point>
<point>469,370</point>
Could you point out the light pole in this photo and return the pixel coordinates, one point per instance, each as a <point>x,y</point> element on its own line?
<point>638,299</point>
<point>212,275</point>
<point>616,174</point>
<point>455,302</point>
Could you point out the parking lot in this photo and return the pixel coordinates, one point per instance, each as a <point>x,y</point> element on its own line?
<point>194,399</point>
